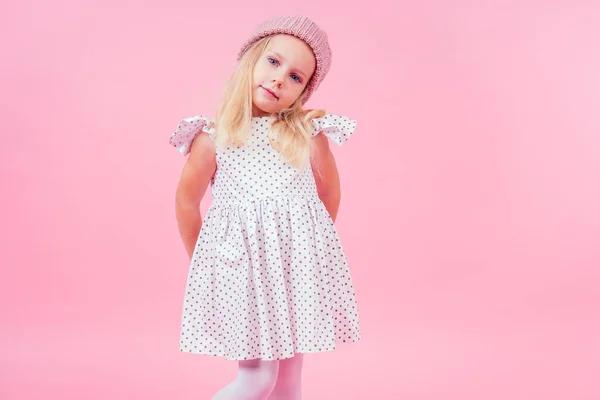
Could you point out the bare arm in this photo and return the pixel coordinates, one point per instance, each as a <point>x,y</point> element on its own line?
<point>193,182</point>
<point>326,174</point>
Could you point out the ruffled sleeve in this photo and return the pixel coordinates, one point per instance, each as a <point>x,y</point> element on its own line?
<point>186,131</point>
<point>336,127</point>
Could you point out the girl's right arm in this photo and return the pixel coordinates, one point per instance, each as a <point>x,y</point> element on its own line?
<point>195,178</point>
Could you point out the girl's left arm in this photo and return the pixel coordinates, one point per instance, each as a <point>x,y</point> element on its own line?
<point>326,174</point>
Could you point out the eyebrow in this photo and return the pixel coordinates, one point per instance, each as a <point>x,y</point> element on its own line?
<point>283,58</point>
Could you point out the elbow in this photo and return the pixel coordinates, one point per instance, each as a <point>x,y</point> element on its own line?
<point>186,201</point>
<point>331,191</point>
<point>330,194</point>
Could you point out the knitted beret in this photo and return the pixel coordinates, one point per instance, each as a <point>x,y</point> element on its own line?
<point>302,28</point>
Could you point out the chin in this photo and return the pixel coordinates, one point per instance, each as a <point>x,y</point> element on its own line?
<point>268,108</point>
<point>264,109</point>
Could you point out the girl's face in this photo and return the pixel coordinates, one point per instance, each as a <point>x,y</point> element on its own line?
<point>281,74</point>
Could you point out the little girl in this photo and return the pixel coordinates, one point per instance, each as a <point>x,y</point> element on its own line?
<point>268,279</point>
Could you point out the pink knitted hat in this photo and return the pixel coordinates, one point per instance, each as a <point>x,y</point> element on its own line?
<point>302,28</point>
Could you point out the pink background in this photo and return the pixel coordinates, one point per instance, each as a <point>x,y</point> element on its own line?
<point>470,210</point>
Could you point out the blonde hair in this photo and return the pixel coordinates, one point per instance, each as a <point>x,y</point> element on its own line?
<point>291,130</point>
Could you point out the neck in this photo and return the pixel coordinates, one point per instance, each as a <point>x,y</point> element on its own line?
<point>257,112</point>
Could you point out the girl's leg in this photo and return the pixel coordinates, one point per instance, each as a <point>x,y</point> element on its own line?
<point>288,383</point>
<point>255,381</point>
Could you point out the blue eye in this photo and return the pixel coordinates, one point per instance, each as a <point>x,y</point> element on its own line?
<point>296,78</point>
<point>272,61</point>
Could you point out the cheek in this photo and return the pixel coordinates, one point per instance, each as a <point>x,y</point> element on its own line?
<point>261,70</point>
<point>298,89</point>
<point>258,72</point>
<point>292,94</point>
<point>255,74</point>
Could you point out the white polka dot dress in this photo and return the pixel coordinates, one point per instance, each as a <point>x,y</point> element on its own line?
<point>269,277</point>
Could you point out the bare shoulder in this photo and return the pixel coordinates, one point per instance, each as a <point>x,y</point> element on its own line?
<point>198,169</point>
<point>202,151</point>
<point>320,143</point>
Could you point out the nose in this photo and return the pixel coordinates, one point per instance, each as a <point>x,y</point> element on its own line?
<point>277,79</point>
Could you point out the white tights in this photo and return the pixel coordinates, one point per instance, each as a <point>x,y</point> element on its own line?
<point>265,380</point>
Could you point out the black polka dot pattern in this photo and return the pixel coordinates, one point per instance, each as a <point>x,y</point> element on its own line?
<point>336,127</point>
<point>187,129</point>
<point>269,277</point>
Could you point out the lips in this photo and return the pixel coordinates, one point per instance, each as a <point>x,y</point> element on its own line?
<point>270,92</point>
